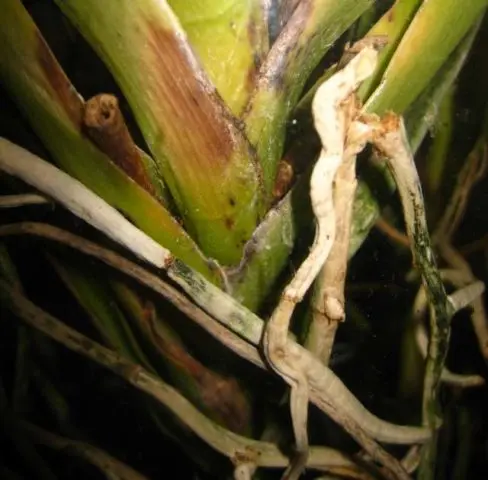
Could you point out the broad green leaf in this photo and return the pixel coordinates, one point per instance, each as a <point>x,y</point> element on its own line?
<point>204,157</point>
<point>38,85</point>
<point>231,39</point>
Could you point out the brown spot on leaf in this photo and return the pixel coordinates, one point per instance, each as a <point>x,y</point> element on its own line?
<point>60,87</point>
<point>252,73</point>
<point>229,223</point>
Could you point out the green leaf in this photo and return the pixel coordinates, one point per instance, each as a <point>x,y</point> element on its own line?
<point>441,141</point>
<point>269,249</point>
<point>392,26</point>
<point>35,80</point>
<point>204,157</point>
<point>230,38</point>
<point>436,30</point>
<point>313,28</point>
<point>420,116</point>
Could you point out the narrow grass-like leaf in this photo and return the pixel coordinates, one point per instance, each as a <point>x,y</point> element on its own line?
<point>204,157</point>
<point>392,26</point>
<point>231,40</point>
<point>94,295</point>
<point>436,30</point>
<point>35,80</point>
<point>421,115</point>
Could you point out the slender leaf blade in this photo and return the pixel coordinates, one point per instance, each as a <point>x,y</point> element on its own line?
<point>435,31</point>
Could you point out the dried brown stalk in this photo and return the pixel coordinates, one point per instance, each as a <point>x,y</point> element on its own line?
<point>105,125</point>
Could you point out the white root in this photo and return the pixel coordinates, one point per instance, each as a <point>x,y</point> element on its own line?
<point>22,200</point>
<point>325,387</point>
<point>332,117</point>
<point>85,204</point>
<point>331,122</point>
